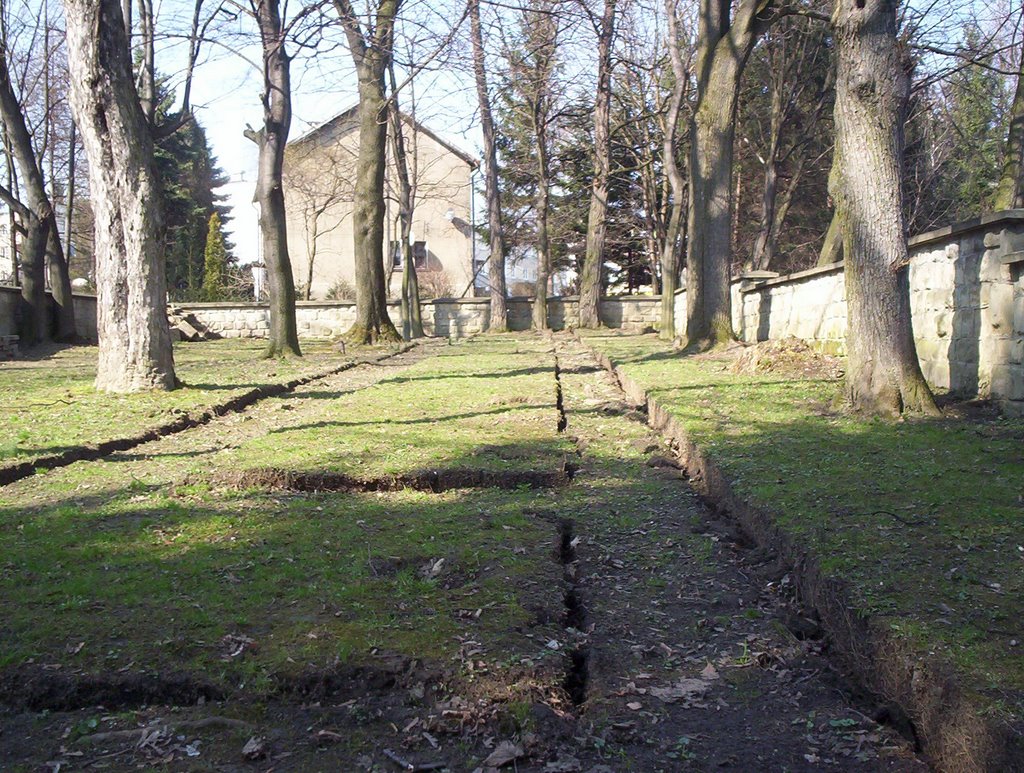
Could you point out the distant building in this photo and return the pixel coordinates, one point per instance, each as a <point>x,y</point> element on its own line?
<point>318,187</point>
<point>7,256</point>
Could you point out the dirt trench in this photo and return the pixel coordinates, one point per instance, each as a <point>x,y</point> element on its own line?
<point>681,647</point>
<point>9,473</point>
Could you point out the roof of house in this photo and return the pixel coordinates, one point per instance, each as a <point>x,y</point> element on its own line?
<point>348,116</point>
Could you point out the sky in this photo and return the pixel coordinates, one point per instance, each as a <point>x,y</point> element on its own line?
<point>226,97</point>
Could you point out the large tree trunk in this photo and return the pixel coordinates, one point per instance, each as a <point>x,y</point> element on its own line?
<point>371,57</point>
<point>832,247</point>
<point>597,217</point>
<point>412,317</point>
<point>540,297</point>
<point>271,140</point>
<point>672,246</point>
<point>1010,193</point>
<point>496,268</point>
<point>372,321</point>
<point>37,214</point>
<point>135,344</point>
<point>761,256</point>
<point>723,48</point>
<point>872,86</point>
<point>60,285</point>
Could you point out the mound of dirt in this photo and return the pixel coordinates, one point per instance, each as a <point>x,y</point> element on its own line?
<point>786,357</point>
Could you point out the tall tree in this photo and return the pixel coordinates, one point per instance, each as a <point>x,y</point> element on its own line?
<point>371,51</point>
<point>215,261</point>
<point>529,110</point>
<point>189,178</point>
<point>1010,191</point>
<point>135,346</point>
<point>271,139</point>
<point>672,247</point>
<point>492,193</point>
<point>726,36</point>
<point>412,318</point>
<point>597,218</point>
<point>872,86</point>
<point>39,222</point>
<point>793,66</point>
<point>36,215</point>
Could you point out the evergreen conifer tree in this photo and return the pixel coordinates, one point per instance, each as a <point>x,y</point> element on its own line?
<point>215,264</point>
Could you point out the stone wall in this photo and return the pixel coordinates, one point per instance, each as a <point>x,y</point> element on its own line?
<point>966,299</point>
<point>10,302</point>
<point>443,317</point>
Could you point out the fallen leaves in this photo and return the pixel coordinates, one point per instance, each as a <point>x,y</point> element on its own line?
<point>688,691</point>
<point>505,753</point>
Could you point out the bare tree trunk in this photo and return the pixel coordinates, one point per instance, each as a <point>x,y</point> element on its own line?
<point>312,226</point>
<point>60,285</point>
<point>412,317</point>
<point>37,217</point>
<point>1010,193</point>
<point>762,253</point>
<point>56,262</point>
<point>723,48</point>
<point>496,269</point>
<point>672,246</point>
<point>371,55</point>
<point>832,248</point>
<point>147,63</point>
<point>271,139</point>
<point>135,344</point>
<point>872,87</point>
<point>597,217</point>
<point>69,205</point>
<point>542,198</point>
<point>12,222</point>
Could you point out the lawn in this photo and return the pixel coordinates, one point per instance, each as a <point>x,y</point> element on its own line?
<point>49,404</point>
<point>922,517</point>
<point>143,562</point>
<point>487,404</point>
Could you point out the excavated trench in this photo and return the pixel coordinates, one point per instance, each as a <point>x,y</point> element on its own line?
<point>577,676</point>
<point>434,481</point>
<point>33,688</point>
<point>92,451</point>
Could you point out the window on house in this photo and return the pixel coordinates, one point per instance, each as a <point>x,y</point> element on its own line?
<point>419,254</point>
<point>396,254</point>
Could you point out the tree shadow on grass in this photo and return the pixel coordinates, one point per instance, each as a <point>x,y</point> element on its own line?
<point>157,580</point>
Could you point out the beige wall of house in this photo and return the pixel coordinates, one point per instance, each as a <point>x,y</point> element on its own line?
<point>319,169</point>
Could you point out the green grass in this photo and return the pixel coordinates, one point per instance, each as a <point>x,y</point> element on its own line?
<point>149,572</point>
<point>158,580</point>
<point>486,404</point>
<point>49,405</point>
<point>922,517</point>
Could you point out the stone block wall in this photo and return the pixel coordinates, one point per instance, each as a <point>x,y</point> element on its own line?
<point>10,302</point>
<point>810,305</point>
<point>10,297</point>
<point>966,295</point>
<point>443,317</point>
<point>966,300</point>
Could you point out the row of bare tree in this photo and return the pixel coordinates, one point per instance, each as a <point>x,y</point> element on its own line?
<point>684,165</point>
